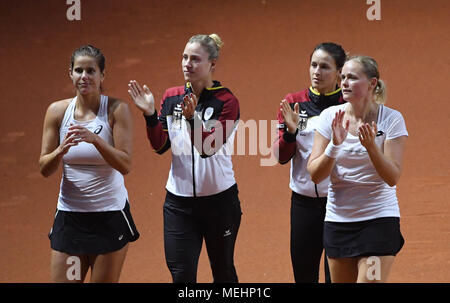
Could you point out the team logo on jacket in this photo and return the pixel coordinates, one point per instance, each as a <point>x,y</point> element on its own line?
<point>208,113</point>
<point>303,120</point>
<point>177,117</point>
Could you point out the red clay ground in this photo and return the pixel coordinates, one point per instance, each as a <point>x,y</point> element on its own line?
<point>266,52</point>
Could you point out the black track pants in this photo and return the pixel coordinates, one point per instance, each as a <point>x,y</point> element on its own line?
<point>307,220</point>
<point>187,221</point>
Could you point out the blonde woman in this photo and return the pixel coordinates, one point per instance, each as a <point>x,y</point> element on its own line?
<point>197,122</point>
<point>360,146</point>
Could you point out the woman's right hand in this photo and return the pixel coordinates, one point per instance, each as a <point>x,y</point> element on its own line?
<point>339,130</point>
<point>142,97</point>
<point>290,116</point>
<point>66,144</point>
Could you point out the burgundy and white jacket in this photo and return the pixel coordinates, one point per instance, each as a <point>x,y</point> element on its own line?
<point>201,147</point>
<point>297,147</point>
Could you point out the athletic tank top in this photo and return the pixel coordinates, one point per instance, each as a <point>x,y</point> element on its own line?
<point>89,183</point>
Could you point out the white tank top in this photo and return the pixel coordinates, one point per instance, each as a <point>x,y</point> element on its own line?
<point>89,184</point>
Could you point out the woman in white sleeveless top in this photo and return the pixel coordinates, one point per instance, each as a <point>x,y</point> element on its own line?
<point>91,135</point>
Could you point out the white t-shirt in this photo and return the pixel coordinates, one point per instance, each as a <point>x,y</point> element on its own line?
<point>356,191</point>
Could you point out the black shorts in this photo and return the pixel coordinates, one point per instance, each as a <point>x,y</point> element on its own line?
<point>92,233</point>
<point>376,237</point>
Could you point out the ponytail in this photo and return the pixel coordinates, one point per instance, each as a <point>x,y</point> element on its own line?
<point>380,92</point>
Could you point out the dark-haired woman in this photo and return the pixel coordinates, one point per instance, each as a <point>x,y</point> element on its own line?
<point>297,119</point>
<point>91,134</point>
<point>197,121</point>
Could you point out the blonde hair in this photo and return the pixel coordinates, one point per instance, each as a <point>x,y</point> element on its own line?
<point>370,69</point>
<point>212,44</point>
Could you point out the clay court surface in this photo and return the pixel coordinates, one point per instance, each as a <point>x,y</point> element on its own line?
<point>266,55</point>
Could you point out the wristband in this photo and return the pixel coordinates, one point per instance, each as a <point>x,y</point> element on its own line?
<point>332,150</point>
<point>152,120</point>
<point>288,137</point>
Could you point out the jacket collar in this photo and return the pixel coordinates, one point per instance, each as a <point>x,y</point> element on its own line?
<point>326,100</point>
<point>216,86</point>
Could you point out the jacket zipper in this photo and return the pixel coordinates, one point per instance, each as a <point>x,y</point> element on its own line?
<point>193,171</point>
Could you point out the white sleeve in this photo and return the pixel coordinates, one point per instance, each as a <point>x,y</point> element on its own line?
<point>396,127</point>
<point>324,123</point>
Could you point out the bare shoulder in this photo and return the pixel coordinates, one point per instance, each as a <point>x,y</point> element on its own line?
<point>56,110</point>
<point>114,104</point>
<point>118,109</point>
<point>58,107</point>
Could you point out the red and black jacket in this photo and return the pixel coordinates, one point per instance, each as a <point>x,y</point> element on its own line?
<point>297,147</point>
<point>199,146</point>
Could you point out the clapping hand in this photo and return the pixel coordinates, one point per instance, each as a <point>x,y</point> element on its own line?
<point>367,134</point>
<point>291,117</point>
<point>142,97</point>
<point>81,134</point>
<point>189,105</point>
<point>339,130</point>
<point>67,143</point>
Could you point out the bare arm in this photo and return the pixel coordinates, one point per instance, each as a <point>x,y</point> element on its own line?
<point>51,150</point>
<point>320,162</point>
<point>121,155</point>
<point>388,164</point>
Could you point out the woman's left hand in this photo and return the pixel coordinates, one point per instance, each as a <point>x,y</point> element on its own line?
<point>82,134</point>
<point>367,134</point>
<point>189,105</point>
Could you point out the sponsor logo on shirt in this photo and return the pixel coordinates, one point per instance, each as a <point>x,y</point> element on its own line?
<point>98,129</point>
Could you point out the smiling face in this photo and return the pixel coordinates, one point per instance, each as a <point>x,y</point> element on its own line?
<point>196,64</point>
<point>86,75</point>
<point>323,72</point>
<point>355,84</point>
